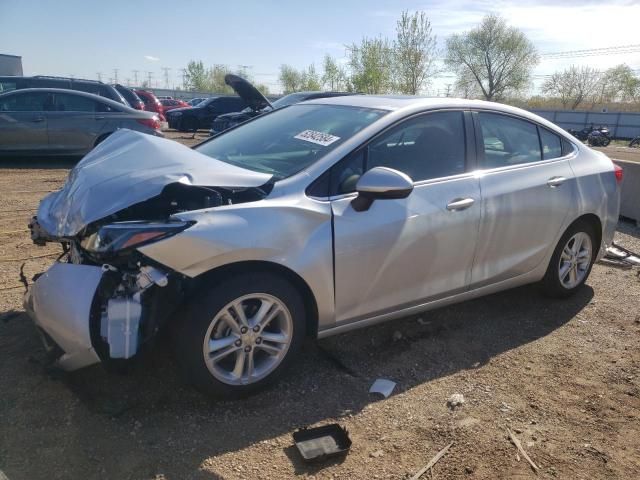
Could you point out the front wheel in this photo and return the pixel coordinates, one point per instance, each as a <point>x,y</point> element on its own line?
<point>239,335</point>
<point>571,261</point>
<point>635,143</point>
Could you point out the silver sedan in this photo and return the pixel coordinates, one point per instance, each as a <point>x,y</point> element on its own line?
<point>312,220</point>
<point>53,121</point>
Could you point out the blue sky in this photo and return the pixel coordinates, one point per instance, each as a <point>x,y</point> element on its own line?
<point>82,38</point>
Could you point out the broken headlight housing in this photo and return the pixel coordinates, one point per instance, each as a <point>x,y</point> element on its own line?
<point>122,235</point>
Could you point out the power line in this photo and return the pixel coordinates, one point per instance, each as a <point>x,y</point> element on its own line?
<point>592,52</point>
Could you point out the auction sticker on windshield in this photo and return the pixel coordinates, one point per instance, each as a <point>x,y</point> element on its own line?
<point>319,138</point>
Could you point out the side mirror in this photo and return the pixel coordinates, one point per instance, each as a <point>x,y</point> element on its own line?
<point>381,183</point>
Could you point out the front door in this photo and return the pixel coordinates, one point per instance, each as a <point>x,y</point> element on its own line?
<point>403,252</point>
<point>23,123</point>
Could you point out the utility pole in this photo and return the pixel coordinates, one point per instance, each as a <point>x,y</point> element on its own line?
<point>166,76</point>
<point>99,76</point>
<point>135,77</point>
<point>149,75</point>
<point>115,74</point>
<point>127,81</point>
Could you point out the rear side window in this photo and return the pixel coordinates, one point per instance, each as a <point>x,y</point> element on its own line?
<point>25,102</point>
<point>74,103</point>
<point>551,144</point>
<point>567,147</point>
<point>426,147</point>
<point>508,141</point>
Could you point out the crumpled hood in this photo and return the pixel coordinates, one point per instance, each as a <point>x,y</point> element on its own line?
<point>128,168</point>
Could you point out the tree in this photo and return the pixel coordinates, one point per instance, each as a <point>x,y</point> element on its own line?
<point>573,85</point>
<point>498,57</point>
<point>414,52</point>
<point>371,65</point>
<point>290,79</point>
<point>334,77</point>
<point>195,77</point>
<point>619,84</point>
<point>311,79</point>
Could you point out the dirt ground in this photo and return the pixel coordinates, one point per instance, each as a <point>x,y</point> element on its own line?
<point>564,376</point>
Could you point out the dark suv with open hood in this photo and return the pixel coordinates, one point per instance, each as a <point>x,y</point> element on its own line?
<point>190,119</point>
<point>258,103</point>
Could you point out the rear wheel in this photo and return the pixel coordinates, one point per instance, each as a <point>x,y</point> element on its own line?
<point>635,143</point>
<point>571,261</point>
<point>240,335</point>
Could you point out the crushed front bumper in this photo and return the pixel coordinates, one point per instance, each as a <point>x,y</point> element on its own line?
<point>59,302</point>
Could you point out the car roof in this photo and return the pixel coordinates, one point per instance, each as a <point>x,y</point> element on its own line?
<point>67,91</point>
<point>414,104</point>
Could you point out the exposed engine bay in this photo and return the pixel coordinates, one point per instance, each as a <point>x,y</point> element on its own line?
<point>135,296</point>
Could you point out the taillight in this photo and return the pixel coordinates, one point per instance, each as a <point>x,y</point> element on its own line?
<point>619,172</point>
<point>153,122</point>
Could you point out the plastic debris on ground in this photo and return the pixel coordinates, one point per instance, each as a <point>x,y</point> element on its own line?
<point>315,444</point>
<point>382,386</point>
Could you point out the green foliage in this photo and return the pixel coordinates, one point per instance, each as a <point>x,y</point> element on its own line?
<point>499,58</point>
<point>293,80</point>
<point>414,52</point>
<point>334,77</point>
<point>371,66</point>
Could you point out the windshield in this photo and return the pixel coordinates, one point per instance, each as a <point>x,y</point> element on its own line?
<point>288,140</point>
<point>289,100</point>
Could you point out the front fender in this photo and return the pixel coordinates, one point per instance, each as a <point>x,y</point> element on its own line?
<point>295,235</point>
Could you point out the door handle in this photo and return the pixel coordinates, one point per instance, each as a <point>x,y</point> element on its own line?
<point>38,119</point>
<point>556,181</point>
<point>458,204</point>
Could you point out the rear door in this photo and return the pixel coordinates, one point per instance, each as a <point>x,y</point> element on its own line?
<point>23,122</point>
<point>527,189</point>
<point>404,252</point>
<point>75,123</point>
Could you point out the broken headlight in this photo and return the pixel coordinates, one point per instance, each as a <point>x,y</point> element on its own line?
<point>122,235</point>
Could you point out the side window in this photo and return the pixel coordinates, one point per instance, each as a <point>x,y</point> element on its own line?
<point>74,103</point>
<point>6,86</point>
<point>344,176</point>
<point>425,147</point>
<point>551,145</point>
<point>25,102</point>
<point>508,140</point>
<point>567,147</point>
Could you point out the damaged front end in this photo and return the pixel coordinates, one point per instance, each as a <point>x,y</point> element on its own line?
<point>103,300</point>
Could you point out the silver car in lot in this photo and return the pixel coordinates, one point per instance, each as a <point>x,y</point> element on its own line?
<point>309,221</point>
<point>53,121</point>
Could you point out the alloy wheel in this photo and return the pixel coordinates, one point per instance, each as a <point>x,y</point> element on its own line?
<point>575,260</point>
<point>248,339</point>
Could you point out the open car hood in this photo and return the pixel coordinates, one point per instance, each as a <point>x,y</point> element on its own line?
<point>247,92</point>
<point>128,168</point>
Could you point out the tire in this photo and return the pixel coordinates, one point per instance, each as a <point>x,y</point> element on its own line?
<point>212,316</point>
<point>188,125</point>
<point>551,284</point>
<point>635,143</point>
<point>606,142</point>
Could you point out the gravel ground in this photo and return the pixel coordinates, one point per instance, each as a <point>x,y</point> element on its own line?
<point>564,376</point>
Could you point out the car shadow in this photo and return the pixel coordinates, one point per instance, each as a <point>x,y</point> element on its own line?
<point>30,162</point>
<point>330,381</point>
<point>628,227</point>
